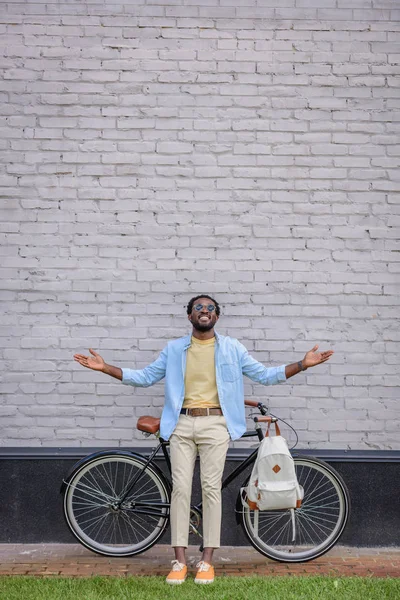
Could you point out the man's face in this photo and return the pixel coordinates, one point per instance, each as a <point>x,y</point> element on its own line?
<point>203,319</point>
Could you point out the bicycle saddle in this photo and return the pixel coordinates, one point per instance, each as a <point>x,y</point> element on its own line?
<point>148,424</point>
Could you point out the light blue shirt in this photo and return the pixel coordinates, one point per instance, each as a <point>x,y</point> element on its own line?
<point>232,361</point>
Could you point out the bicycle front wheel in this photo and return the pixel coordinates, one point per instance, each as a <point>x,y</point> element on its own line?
<point>304,533</point>
<point>102,519</point>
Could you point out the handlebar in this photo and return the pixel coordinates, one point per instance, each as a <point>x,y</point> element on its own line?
<point>256,404</point>
<point>266,418</point>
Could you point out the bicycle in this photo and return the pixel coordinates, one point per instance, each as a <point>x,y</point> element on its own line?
<point>116,503</point>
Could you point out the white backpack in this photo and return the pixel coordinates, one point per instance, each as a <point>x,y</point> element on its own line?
<point>273,483</point>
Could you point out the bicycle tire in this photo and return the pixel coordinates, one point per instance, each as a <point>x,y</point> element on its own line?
<point>91,497</point>
<point>319,522</point>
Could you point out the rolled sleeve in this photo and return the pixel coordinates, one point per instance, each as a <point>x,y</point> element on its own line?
<point>259,373</point>
<point>134,377</point>
<point>148,376</point>
<point>275,375</point>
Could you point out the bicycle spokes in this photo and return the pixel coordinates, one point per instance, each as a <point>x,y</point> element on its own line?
<point>306,532</point>
<point>103,519</point>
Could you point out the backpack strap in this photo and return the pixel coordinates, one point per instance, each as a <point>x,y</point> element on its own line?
<point>277,430</point>
<point>268,419</point>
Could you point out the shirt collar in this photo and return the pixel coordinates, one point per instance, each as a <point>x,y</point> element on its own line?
<point>188,340</point>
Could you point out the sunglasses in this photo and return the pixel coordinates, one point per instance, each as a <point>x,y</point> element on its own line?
<point>209,307</point>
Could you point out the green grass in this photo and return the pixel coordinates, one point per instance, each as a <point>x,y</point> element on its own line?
<point>224,588</point>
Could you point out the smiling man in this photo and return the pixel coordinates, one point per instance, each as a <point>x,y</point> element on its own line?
<point>203,410</point>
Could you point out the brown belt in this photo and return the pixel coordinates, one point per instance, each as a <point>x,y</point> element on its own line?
<point>201,412</point>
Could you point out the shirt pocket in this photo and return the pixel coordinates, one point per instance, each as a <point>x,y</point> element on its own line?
<point>230,371</point>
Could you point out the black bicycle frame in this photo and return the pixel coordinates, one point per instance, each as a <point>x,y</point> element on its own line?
<point>163,444</point>
<point>248,461</point>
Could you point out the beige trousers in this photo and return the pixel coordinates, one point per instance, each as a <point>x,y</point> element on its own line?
<point>210,438</point>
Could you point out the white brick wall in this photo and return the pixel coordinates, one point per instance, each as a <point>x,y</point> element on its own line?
<point>154,149</point>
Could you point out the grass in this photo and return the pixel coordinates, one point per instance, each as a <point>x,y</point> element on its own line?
<point>224,588</point>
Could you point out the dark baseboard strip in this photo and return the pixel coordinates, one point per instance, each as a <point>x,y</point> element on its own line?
<point>235,454</point>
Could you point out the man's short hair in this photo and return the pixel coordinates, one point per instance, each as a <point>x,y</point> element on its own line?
<point>189,307</point>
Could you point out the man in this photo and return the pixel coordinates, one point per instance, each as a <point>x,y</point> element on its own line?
<point>203,410</point>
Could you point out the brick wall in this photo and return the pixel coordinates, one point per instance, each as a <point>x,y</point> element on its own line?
<point>156,149</point>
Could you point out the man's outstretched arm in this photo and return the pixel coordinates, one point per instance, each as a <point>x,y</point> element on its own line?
<point>96,363</point>
<point>272,375</point>
<point>136,377</point>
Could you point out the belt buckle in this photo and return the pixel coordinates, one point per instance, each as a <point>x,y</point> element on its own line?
<point>197,412</point>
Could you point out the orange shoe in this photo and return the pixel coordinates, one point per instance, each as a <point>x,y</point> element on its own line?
<point>177,574</point>
<point>205,573</point>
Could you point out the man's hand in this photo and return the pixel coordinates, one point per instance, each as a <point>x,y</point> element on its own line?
<point>96,362</point>
<point>313,357</point>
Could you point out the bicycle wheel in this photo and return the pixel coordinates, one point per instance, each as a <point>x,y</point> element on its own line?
<point>96,516</point>
<point>307,532</point>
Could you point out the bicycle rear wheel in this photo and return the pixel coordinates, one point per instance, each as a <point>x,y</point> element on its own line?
<point>316,526</point>
<point>100,521</point>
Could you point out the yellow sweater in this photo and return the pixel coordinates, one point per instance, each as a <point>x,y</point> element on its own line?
<point>200,382</point>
